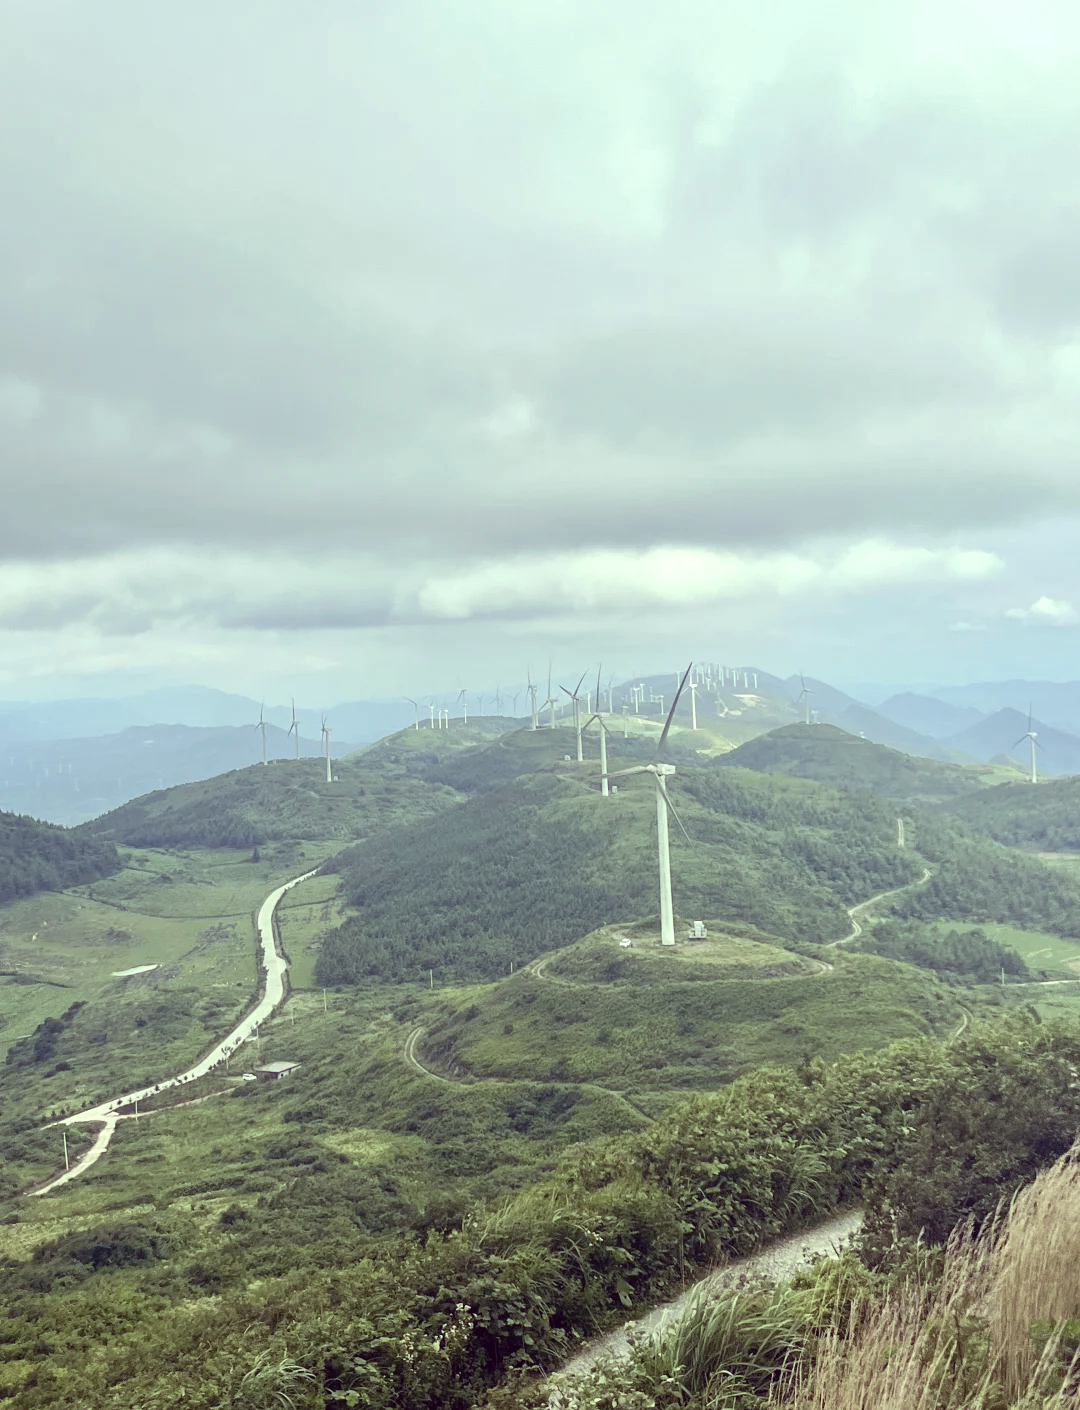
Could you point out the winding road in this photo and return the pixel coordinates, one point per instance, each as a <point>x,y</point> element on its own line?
<point>108,1113</point>
<point>856,928</point>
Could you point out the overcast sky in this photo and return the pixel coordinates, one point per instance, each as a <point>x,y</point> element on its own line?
<point>353,347</point>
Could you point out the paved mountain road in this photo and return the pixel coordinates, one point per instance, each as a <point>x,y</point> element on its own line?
<point>108,1113</point>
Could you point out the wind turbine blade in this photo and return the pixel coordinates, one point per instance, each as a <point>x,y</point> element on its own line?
<point>621,773</point>
<point>562,687</point>
<point>675,815</point>
<point>1035,742</point>
<point>674,705</point>
<point>598,685</point>
<point>578,686</point>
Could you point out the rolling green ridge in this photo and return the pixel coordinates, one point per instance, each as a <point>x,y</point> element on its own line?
<point>288,799</point>
<point>37,856</point>
<point>544,860</point>
<point>830,755</point>
<point>1044,817</point>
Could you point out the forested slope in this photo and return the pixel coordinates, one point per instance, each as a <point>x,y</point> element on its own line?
<point>1045,817</point>
<point>37,856</point>
<point>545,860</point>
<point>830,755</point>
<point>285,799</point>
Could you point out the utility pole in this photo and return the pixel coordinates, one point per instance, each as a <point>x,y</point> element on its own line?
<point>67,1163</point>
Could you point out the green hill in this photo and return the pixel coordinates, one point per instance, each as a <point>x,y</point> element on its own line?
<point>833,756</point>
<point>654,1030</point>
<point>1045,817</point>
<point>37,856</point>
<point>544,860</point>
<point>283,800</point>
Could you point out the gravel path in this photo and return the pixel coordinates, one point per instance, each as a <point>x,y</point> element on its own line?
<point>772,1264</point>
<point>275,967</point>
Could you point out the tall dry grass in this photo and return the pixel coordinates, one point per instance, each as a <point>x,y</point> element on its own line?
<point>965,1342</point>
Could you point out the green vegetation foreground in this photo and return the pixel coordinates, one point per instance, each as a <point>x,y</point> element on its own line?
<point>924,1133</point>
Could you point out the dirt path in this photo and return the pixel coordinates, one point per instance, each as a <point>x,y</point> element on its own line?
<point>771,1264</point>
<point>108,1113</point>
<point>856,928</point>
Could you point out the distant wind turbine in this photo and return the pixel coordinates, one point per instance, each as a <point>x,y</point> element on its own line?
<point>804,697</point>
<point>534,720</point>
<point>326,747</point>
<point>575,700</point>
<point>549,703</point>
<point>661,773</point>
<point>693,704</point>
<point>415,712</point>
<point>255,730</point>
<point>294,728</point>
<point>603,739</point>
<point>461,700</point>
<point>1031,736</point>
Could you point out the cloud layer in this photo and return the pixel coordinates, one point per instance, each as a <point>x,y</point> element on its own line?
<point>349,317</point>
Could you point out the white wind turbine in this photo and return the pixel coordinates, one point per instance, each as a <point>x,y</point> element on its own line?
<point>326,747</point>
<point>550,702</point>
<point>534,719</point>
<point>294,728</point>
<point>693,704</point>
<point>575,700</point>
<point>661,773</point>
<point>603,741</point>
<point>255,730</point>
<point>415,712</point>
<point>804,697</point>
<point>1032,738</point>
<point>464,705</point>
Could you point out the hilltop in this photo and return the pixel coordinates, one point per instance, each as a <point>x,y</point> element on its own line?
<point>37,856</point>
<point>1044,817</point>
<point>830,755</point>
<point>543,859</point>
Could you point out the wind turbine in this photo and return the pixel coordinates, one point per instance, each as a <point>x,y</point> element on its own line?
<point>532,700</point>
<point>693,704</point>
<point>1031,736</point>
<point>804,697</point>
<point>498,702</point>
<point>464,705</point>
<point>294,728</point>
<point>255,729</point>
<point>326,747</point>
<point>661,773</point>
<point>549,703</point>
<point>415,712</point>
<point>576,702</point>
<point>603,739</point>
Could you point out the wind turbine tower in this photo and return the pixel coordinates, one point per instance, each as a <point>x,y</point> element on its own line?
<point>575,700</point>
<point>326,747</point>
<point>804,698</point>
<point>415,712</point>
<point>464,706</point>
<point>261,726</point>
<point>534,721</point>
<point>693,704</point>
<point>294,728</point>
<point>661,773</point>
<point>1032,738</point>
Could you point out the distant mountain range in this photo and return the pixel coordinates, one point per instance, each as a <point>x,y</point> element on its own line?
<point>72,780</point>
<point>359,721</point>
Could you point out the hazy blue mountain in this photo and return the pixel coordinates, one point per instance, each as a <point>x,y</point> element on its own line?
<point>72,780</point>
<point>940,719</point>
<point>360,722</point>
<point>1056,703</point>
<point>861,720</point>
<point>998,734</point>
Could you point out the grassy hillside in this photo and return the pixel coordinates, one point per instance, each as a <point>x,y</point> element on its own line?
<point>1044,817</point>
<point>37,856</point>
<point>544,860</point>
<point>659,1025</point>
<point>284,799</point>
<point>833,756</point>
